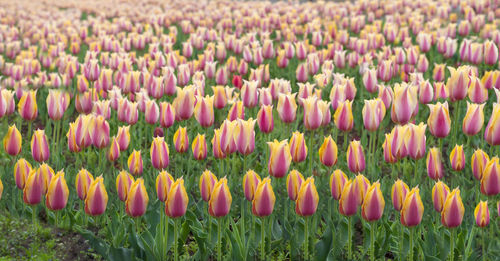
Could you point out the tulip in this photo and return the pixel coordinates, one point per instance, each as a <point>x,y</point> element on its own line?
<point>12,142</point>
<point>426,92</point>
<point>307,198</point>
<point>207,182</point>
<point>453,210</point>
<point>137,199</point>
<point>328,152</point>
<point>151,112</point>
<point>479,161</point>
<point>184,103</point>
<point>250,182</point>
<point>370,80</point>
<point>355,157</point>
<point>199,147</point>
<point>217,148</point>
<point>413,208</point>
<point>237,111</point>
<point>457,158</point>
<point>349,198</point>
<point>265,119</point>
<point>490,180</point>
<point>33,189</point>
<point>482,214</point>
<point>22,169</point>
<point>100,132</point>
<point>287,108</point>
<point>167,115</point>
<point>474,119</point>
<point>343,116</point>
<point>72,138</point>
<point>490,53</point>
<point>439,121</point>
<point>476,90</point>
<point>416,141</point>
<point>398,194</point>
<point>313,115</point>
<point>434,164</point>
<point>27,106</point>
<point>458,82</point>
<point>298,148</point>
<point>159,153</point>
<point>177,200</point>
<point>57,193</point>
<point>181,140</point>
<point>123,137</point>
<point>39,146</point>
<point>440,192</point>
<point>244,136</point>
<point>337,95</point>
<point>123,182</point>
<point>134,163</point>
<point>114,150</point>
<point>373,114</point>
<point>204,110</point>
<point>82,183</point>
<point>97,198</point>
<point>492,129</point>
<point>373,203</point>
<point>404,104</point>
<point>163,183</point>
<point>220,96</point>
<point>279,158</point>
<point>57,103</point>
<point>387,149</point>
<point>249,94</point>
<point>294,181</point>
<point>264,199</point>
<point>220,199</point>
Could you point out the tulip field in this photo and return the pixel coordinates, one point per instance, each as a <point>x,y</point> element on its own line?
<point>238,130</point>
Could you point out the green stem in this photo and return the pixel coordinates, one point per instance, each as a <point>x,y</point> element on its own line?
<point>262,240</point>
<point>452,244</point>
<point>176,240</point>
<point>219,243</point>
<point>311,157</point>
<point>306,240</point>
<point>483,245</point>
<point>33,215</point>
<point>401,240</point>
<point>29,128</point>
<point>243,230</point>
<point>349,238</point>
<point>162,236</point>
<point>412,230</point>
<point>166,232</point>
<point>372,241</point>
<point>57,218</point>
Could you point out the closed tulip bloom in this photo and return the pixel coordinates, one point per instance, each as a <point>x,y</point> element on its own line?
<point>100,132</point>
<point>181,140</point>
<point>370,80</point>
<point>426,92</point>
<point>137,199</point>
<point>476,90</point>
<point>27,106</point>
<point>337,95</point>
<point>328,152</point>
<point>264,199</point>
<point>491,133</point>
<point>337,182</point>
<point>373,204</point>
<point>250,182</point>
<point>114,150</point>
<point>12,142</point>
<point>167,115</point>
<point>123,137</point>
<point>73,145</point>
<point>163,183</point>
<point>207,182</point>
<point>265,119</point>
<point>57,193</point>
<point>184,103</point>
<point>57,103</point>
<point>439,121</point>
<point>434,164</point>
<point>244,136</point>
<point>404,103</point>
<point>343,117</point>
<point>417,140</point>
<point>348,204</point>
<point>398,194</point>
<point>123,182</point>
<point>440,192</point>
<point>33,189</point>
<point>151,112</point>
<point>46,174</point>
<point>490,181</point>
<point>134,163</point>
<point>355,157</point>
<point>313,115</point>
<point>298,147</point>
<point>237,111</point>
<point>199,147</point>
<point>177,200</point>
<point>82,183</point>
<point>458,83</point>
<point>204,110</point>
<point>97,198</point>
<point>478,163</point>
<point>373,114</point>
<point>413,208</point>
<point>474,119</point>
<point>457,158</point>
<point>22,169</point>
<point>400,137</point>
<point>482,214</point>
<point>294,181</point>
<point>39,146</point>
<point>220,199</point>
<point>217,149</point>
<point>159,153</point>
<point>249,94</point>
<point>279,158</point>
<point>387,149</point>
<point>453,210</point>
<point>287,107</point>
<point>220,96</point>
<point>490,52</point>
<point>307,199</point>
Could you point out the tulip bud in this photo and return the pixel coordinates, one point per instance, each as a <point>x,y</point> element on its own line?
<point>27,106</point>
<point>473,119</point>
<point>167,115</point>
<point>476,90</point>
<point>293,182</point>
<point>482,214</point>
<point>417,141</point>
<point>298,148</point>
<point>220,199</point>
<point>100,132</point>
<point>490,180</point>
<point>265,119</point>
<point>204,110</point>
<point>348,204</point>
<point>137,199</point>
<point>387,147</point>
<point>343,118</point>
<point>57,103</point>
<point>151,112</point>
<point>457,158</point>
<point>313,115</point>
<point>57,193</point>
<point>181,140</point>
<point>279,158</point>
<point>355,157</point>
<point>22,170</point>
<point>492,129</point>
<point>453,210</point>
<point>307,198</point>
<point>33,189</point>
<point>123,137</point>
<point>97,198</point>
<point>82,183</point>
<point>134,163</point>
<point>207,182</point>
<point>249,94</point>
<point>123,182</point>
<point>184,103</point>
<point>458,83</point>
<point>413,209</point>
<point>159,153</point>
<point>404,104</point>
<point>12,142</point>
<point>264,199</point>
<point>163,183</point>
<point>439,121</point>
<point>237,111</point>
<point>287,108</point>
<point>244,136</point>
<point>177,200</point>
<point>434,164</point>
<point>373,114</point>
<point>479,161</point>
<point>220,96</point>
<point>440,192</point>
<point>373,203</point>
<point>114,150</point>
<point>328,152</point>
<point>39,146</point>
<point>398,194</point>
